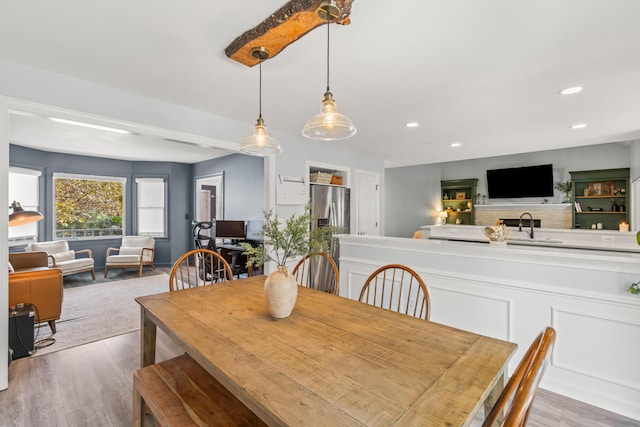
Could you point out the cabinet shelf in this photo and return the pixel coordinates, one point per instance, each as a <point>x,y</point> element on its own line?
<point>609,179</point>
<point>601,197</point>
<point>601,213</point>
<point>451,188</point>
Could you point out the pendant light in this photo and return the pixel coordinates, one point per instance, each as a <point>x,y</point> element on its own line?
<point>329,125</point>
<point>260,143</point>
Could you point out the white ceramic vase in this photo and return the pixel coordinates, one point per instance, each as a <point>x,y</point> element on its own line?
<point>280,292</point>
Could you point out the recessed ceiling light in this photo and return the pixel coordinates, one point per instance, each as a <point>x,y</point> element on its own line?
<point>456,144</point>
<point>88,125</point>
<point>570,90</point>
<point>579,126</point>
<point>412,124</point>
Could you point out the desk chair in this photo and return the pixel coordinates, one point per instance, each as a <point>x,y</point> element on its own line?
<point>523,384</point>
<point>199,267</point>
<point>202,241</point>
<point>398,288</point>
<point>318,271</point>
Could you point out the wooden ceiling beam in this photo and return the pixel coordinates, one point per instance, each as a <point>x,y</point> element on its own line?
<point>283,27</point>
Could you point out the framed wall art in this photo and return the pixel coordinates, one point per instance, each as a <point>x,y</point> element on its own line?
<point>600,188</point>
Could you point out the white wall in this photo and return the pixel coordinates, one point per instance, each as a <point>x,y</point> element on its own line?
<point>39,86</point>
<point>414,191</point>
<point>4,198</point>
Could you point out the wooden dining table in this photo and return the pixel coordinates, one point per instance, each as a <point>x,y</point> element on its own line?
<point>333,361</point>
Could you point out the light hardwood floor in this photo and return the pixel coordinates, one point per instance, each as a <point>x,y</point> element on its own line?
<point>91,385</point>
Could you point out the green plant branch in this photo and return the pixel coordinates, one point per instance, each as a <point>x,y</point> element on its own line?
<point>283,241</point>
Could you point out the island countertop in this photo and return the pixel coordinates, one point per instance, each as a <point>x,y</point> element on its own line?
<point>598,240</point>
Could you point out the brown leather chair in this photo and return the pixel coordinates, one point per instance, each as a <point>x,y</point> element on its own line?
<point>33,282</point>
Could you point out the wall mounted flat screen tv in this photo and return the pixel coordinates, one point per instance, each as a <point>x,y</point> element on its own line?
<point>513,183</point>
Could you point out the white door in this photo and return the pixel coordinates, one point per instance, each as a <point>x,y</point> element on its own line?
<point>209,200</point>
<point>367,203</point>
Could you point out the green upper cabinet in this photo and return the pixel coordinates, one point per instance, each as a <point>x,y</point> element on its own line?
<point>459,200</point>
<point>600,198</point>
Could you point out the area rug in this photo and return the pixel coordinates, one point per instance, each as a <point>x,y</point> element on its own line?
<point>95,312</point>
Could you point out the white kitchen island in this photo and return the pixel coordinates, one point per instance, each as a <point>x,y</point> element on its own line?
<point>512,292</point>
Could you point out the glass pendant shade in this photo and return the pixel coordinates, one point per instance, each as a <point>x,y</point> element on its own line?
<point>329,125</point>
<point>21,217</point>
<point>260,143</point>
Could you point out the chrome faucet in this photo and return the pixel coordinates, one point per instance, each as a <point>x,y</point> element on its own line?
<point>530,223</point>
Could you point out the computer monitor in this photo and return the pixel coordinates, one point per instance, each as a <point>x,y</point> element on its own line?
<point>254,231</point>
<point>226,229</point>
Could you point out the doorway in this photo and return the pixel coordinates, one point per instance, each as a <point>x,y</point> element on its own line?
<point>209,199</point>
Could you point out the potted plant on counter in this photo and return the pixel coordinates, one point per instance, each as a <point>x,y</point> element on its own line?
<point>565,187</point>
<point>283,241</point>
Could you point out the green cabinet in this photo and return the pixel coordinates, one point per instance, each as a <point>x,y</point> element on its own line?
<point>459,200</point>
<point>600,198</point>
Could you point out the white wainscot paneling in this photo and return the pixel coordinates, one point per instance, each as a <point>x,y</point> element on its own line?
<point>600,352</point>
<point>590,343</point>
<point>476,313</point>
<point>356,277</point>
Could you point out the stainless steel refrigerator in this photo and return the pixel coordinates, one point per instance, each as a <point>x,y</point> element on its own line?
<point>330,206</point>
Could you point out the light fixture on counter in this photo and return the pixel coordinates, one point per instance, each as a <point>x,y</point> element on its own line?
<point>21,217</point>
<point>329,125</point>
<point>260,143</point>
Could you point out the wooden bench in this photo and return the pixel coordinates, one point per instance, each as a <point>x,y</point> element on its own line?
<point>179,392</point>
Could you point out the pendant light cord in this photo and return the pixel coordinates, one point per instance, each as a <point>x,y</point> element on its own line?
<point>328,52</point>
<point>260,90</point>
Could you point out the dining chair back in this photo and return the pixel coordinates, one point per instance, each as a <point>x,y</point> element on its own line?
<point>199,267</point>
<point>523,384</point>
<point>318,271</point>
<point>398,288</point>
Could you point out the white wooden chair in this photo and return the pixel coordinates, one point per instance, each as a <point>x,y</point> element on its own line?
<point>134,252</point>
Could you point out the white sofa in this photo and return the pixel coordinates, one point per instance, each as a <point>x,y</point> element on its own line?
<point>67,260</point>
<point>134,252</point>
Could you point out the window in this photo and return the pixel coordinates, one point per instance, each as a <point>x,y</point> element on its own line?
<point>151,207</point>
<point>24,188</point>
<point>88,207</point>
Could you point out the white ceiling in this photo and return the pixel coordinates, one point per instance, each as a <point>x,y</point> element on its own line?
<point>482,73</point>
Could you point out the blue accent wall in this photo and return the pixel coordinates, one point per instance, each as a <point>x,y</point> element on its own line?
<point>244,199</point>
<point>243,184</point>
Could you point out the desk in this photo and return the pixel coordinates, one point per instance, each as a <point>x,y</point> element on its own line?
<point>334,361</point>
<point>233,255</point>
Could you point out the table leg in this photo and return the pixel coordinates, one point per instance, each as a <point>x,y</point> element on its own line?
<point>494,394</point>
<point>147,340</point>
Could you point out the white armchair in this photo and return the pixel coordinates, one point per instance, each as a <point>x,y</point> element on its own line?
<point>60,256</point>
<point>134,252</point>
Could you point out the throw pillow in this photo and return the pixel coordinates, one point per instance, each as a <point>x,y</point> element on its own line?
<point>65,256</point>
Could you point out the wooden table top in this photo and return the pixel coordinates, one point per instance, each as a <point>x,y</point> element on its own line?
<point>334,361</point>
